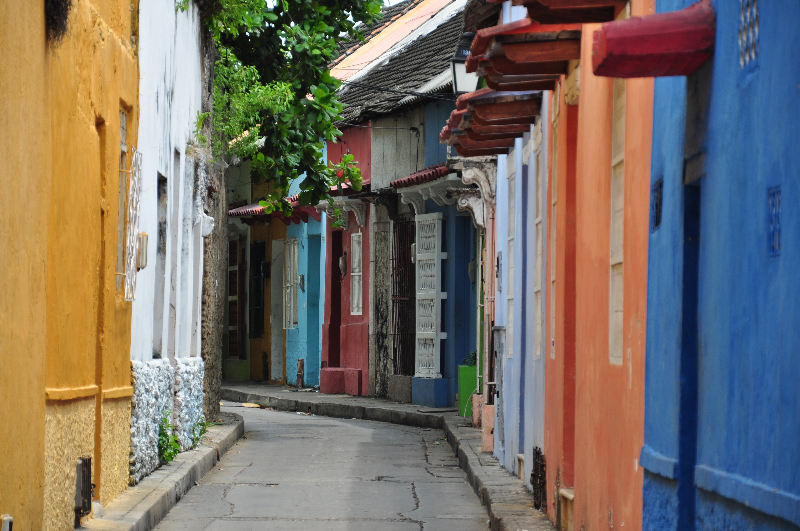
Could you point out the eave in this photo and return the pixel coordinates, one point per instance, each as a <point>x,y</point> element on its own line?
<point>666,44</point>
<point>524,48</point>
<point>570,11</point>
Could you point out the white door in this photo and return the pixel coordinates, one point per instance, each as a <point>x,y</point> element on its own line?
<point>429,295</point>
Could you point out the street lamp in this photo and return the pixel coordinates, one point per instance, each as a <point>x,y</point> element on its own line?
<point>462,81</point>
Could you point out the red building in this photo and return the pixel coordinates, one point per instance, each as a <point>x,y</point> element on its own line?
<point>345,330</point>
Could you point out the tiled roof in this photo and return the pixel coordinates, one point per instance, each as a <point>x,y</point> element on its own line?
<point>410,69</point>
<point>388,15</point>
<point>427,175</point>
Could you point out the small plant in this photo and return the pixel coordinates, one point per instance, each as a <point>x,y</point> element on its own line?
<point>472,359</point>
<point>199,431</point>
<point>168,443</point>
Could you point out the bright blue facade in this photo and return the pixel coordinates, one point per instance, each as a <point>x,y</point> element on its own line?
<point>722,404</point>
<point>305,341</point>
<point>459,242</point>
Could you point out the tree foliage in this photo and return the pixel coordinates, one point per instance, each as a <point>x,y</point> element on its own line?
<point>275,100</point>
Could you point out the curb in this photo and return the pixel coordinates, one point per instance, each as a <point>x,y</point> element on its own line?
<point>507,501</point>
<point>142,507</point>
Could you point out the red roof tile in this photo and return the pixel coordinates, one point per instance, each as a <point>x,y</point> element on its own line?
<point>423,176</point>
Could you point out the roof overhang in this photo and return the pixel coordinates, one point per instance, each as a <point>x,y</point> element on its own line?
<point>666,44</point>
<point>570,11</point>
<point>430,183</point>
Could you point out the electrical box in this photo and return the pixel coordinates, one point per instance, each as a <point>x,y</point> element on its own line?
<point>141,261</point>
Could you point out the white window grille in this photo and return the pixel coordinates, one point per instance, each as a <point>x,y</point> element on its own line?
<point>132,236</point>
<point>291,282</point>
<point>617,279</point>
<point>356,278</point>
<point>429,295</point>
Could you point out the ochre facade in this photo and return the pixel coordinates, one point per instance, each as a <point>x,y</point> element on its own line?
<point>66,381</point>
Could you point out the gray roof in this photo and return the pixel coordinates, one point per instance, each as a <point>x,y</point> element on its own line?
<point>408,71</point>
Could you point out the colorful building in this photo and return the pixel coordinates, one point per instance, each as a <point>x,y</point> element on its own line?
<point>720,404</point>
<point>75,101</point>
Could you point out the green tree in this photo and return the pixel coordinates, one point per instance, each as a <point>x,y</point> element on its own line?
<point>275,100</point>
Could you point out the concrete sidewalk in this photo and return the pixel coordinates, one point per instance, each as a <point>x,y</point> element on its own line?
<point>508,502</point>
<point>143,506</point>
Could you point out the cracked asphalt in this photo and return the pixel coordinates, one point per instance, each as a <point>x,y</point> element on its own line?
<point>298,472</point>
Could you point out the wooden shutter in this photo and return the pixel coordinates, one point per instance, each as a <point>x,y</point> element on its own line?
<point>429,295</point>
<point>356,277</point>
<point>290,283</point>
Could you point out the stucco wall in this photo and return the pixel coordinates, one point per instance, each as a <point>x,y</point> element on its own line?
<point>742,120</point>
<point>25,172</point>
<point>69,432</point>
<point>115,444</point>
<point>609,407</point>
<point>88,322</point>
<point>560,344</point>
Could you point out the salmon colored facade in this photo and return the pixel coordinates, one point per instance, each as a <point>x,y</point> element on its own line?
<point>594,413</point>
<point>610,394</point>
<point>560,347</point>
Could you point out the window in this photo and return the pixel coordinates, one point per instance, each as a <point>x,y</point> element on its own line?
<point>291,282</point>
<point>356,283</point>
<point>617,279</point>
<point>258,261</point>
<point>122,196</point>
<point>512,198</point>
<point>235,301</point>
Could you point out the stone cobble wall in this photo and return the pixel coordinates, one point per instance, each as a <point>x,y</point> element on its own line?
<point>153,384</point>
<point>188,410</point>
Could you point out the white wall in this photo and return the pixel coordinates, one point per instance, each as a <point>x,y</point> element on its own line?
<point>170,59</point>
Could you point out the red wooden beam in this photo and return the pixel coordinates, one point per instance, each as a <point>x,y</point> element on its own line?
<point>505,66</point>
<point>468,143</point>
<point>667,44</point>
<point>542,52</point>
<point>514,120</point>
<point>465,152</point>
<point>504,111</point>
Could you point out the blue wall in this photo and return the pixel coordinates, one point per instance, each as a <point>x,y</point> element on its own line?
<point>459,307</point>
<point>436,116</point>
<point>305,341</point>
<point>721,309</point>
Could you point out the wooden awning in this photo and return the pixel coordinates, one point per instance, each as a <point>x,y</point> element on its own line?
<point>666,44</point>
<point>525,48</point>
<point>570,11</point>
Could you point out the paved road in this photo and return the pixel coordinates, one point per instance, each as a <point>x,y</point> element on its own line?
<point>298,472</point>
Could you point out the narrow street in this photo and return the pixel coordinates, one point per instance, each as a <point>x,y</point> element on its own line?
<point>293,472</point>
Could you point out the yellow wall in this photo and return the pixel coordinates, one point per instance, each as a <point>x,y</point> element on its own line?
<point>88,322</point>
<point>65,339</point>
<point>274,230</point>
<point>25,144</point>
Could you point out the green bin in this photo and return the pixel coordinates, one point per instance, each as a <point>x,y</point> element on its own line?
<point>467,383</point>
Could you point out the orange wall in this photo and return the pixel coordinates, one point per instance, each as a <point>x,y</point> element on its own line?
<point>560,372</point>
<point>610,398</point>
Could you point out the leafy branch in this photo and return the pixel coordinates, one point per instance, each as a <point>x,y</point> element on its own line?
<point>275,101</point>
